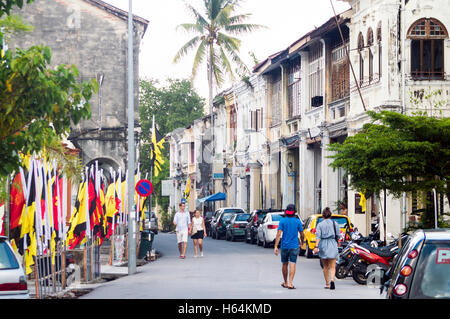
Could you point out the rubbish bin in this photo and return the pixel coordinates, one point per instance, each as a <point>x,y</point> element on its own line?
<point>146,243</point>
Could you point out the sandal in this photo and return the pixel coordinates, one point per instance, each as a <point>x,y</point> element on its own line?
<point>293,287</point>
<point>284,286</point>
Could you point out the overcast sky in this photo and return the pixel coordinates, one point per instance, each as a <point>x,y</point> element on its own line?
<point>287,21</point>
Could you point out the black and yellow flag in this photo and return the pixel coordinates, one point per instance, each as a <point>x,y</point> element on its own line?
<point>156,147</point>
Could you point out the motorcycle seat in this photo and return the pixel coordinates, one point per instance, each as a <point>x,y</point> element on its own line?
<point>381,252</point>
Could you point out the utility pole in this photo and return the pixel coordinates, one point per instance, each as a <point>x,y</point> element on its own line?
<point>131,148</point>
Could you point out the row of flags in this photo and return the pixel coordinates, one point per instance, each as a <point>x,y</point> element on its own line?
<point>98,210</point>
<point>38,219</point>
<point>36,212</point>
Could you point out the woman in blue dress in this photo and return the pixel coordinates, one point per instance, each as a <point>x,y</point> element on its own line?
<point>327,246</point>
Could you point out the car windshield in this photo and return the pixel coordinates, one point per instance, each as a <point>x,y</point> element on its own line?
<point>261,216</point>
<point>7,258</point>
<point>208,214</point>
<point>342,221</point>
<point>432,273</point>
<point>276,217</point>
<point>227,216</point>
<point>242,217</point>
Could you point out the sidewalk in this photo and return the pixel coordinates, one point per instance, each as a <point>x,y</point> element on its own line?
<point>107,273</point>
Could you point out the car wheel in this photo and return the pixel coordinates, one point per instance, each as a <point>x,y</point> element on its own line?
<point>232,238</point>
<point>309,252</point>
<point>265,243</point>
<point>259,243</point>
<point>227,238</point>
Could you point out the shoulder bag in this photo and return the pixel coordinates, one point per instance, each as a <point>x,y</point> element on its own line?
<point>336,237</point>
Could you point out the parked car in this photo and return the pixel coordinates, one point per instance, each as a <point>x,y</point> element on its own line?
<point>208,218</point>
<point>256,217</point>
<point>13,282</point>
<point>236,227</point>
<point>309,231</point>
<point>151,222</point>
<point>268,228</point>
<point>220,220</point>
<point>422,267</point>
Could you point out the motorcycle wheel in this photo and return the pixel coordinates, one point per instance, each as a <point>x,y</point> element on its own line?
<point>359,277</point>
<point>340,271</point>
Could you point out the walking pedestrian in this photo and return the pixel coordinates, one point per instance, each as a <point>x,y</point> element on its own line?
<point>198,232</point>
<point>182,221</point>
<point>288,230</point>
<point>327,246</point>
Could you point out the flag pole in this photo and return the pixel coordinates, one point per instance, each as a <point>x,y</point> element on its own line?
<point>152,166</point>
<point>131,146</point>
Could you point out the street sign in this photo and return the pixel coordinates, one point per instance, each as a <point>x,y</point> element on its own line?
<point>144,188</point>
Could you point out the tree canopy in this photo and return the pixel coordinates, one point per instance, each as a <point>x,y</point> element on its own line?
<point>174,105</point>
<point>38,103</point>
<point>398,153</point>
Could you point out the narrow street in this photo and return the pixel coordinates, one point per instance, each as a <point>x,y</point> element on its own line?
<point>228,270</point>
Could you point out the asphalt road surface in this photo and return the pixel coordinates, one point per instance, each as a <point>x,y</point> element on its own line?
<point>228,270</point>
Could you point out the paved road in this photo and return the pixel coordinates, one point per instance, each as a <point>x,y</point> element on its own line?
<point>228,270</point>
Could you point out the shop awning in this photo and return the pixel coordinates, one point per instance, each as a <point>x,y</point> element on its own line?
<point>213,198</point>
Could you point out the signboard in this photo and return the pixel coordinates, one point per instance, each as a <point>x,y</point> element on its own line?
<point>443,256</point>
<point>218,176</point>
<point>144,188</point>
<point>167,187</point>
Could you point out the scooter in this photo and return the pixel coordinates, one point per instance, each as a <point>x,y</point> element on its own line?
<point>344,264</point>
<point>381,258</point>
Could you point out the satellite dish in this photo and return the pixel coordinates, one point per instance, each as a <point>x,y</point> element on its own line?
<point>314,132</point>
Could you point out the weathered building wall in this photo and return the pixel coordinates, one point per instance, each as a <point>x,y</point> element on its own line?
<point>93,36</point>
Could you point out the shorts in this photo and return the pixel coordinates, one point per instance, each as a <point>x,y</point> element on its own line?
<point>182,236</point>
<point>289,255</point>
<point>198,235</point>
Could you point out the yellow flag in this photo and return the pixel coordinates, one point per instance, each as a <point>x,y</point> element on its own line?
<point>362,202</point>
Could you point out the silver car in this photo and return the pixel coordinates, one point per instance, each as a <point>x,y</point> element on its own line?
<point>13,282</point>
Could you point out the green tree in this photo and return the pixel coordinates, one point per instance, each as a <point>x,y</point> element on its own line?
<point>398,153</point>
<point>38,103</point>
<point>215,40</point>
<point>174,105</point>
<point>7,5</point>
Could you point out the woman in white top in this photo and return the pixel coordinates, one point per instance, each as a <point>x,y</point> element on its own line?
<point>198,232</point>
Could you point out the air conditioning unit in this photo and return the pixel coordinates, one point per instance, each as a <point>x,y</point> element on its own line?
<point>317,101</point>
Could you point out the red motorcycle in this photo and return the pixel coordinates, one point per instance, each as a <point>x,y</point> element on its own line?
<point>365,256</point>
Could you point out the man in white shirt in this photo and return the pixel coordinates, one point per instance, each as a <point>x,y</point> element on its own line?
<point>182,220</point>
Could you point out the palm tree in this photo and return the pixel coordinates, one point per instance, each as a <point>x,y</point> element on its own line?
<point>214,40</point>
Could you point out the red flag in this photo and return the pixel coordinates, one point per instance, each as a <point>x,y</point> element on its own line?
<point>57,201</point>
<point>16,206</point>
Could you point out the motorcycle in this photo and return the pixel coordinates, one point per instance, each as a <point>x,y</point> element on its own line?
<point>364,256</point>
<point>345,262</point>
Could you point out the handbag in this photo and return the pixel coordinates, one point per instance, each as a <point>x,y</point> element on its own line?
<point>194,230</point>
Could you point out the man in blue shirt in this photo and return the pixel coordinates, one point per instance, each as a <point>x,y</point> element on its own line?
<point>288,230</point>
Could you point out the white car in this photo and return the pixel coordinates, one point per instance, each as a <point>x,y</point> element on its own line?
<point>267,230</point>
<point>13,282</point>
